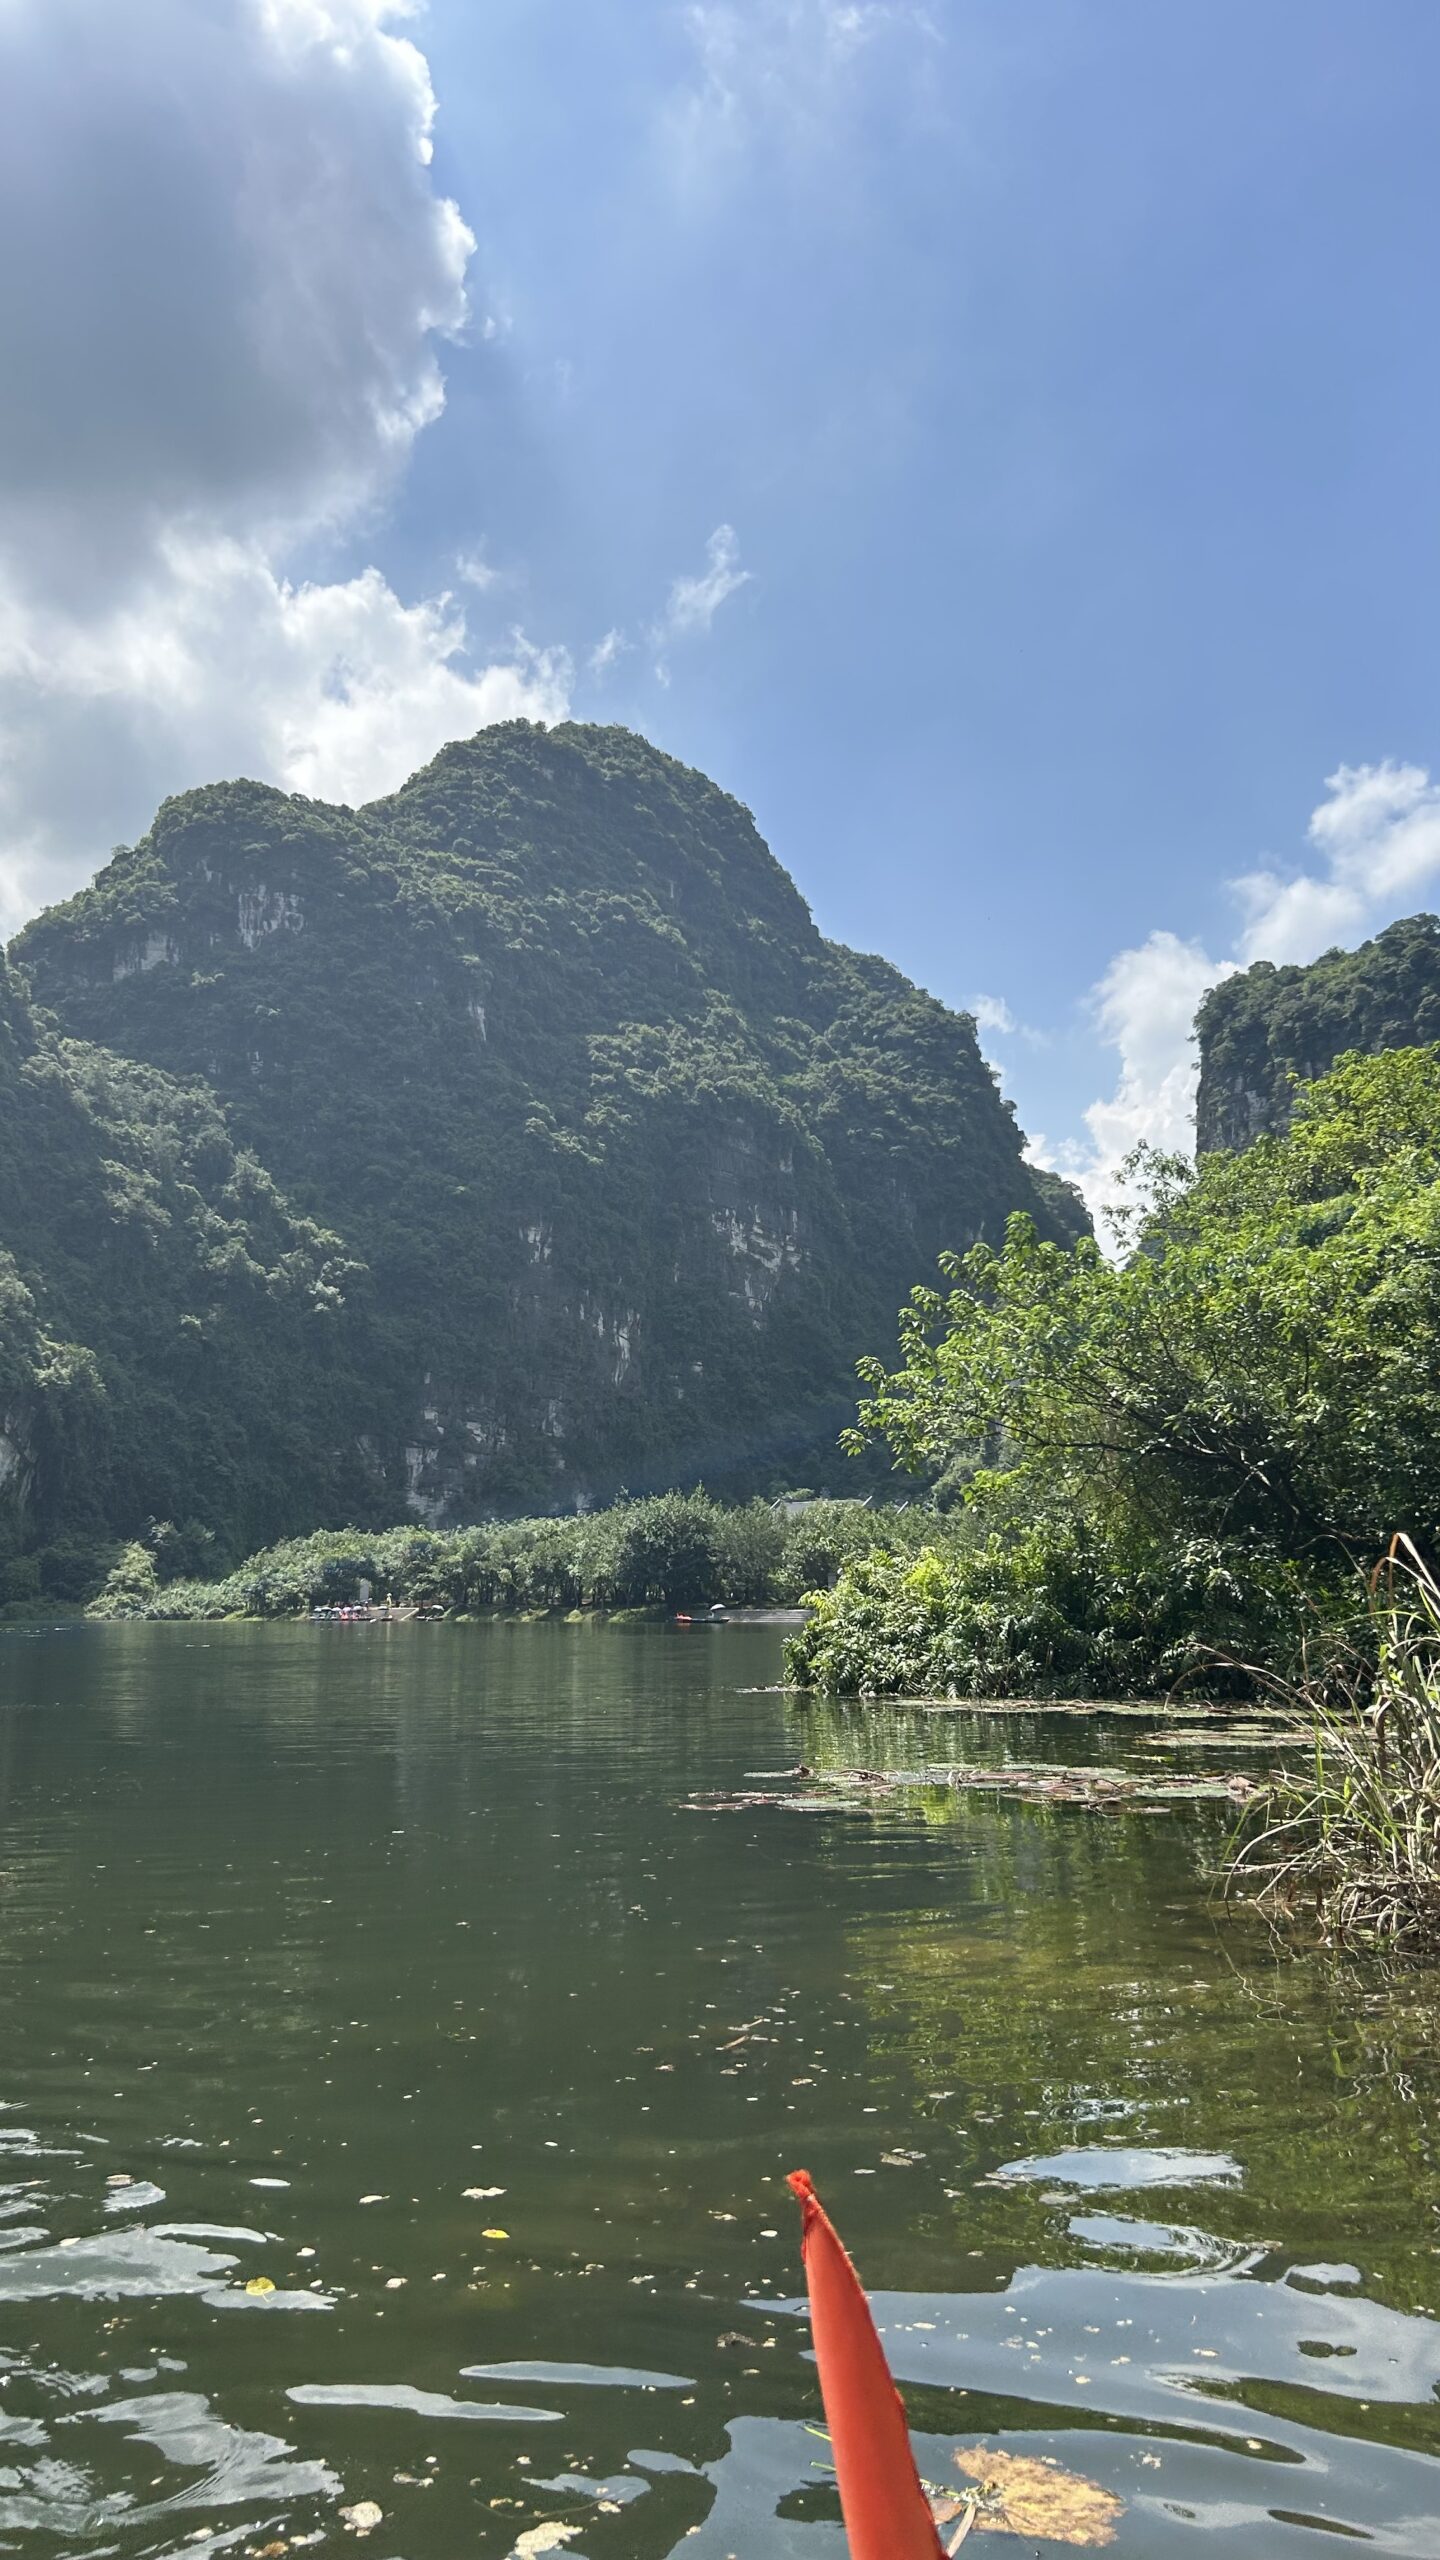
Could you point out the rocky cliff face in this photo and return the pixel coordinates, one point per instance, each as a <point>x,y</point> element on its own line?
<point>633,1164</point>
<point>1261,1031</point>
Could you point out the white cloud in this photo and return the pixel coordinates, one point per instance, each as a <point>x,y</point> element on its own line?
<point>220,344</point>
<point>478,572</point>
<point>607,652</point>
<point>1378,834</point>
<point>689,610</point>
<point>1145,1008</point>
<point>338,690</point>
<point>694,601</point>
<point>235,266</point>
<point>1377,839</point>
<point>996,1020</point>
<point>993,1014</point>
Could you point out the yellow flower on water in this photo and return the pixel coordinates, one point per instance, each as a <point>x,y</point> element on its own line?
<point>260,2284</point>
<point>494,2233</point>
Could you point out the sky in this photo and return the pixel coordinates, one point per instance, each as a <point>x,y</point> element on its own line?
<point>1000,443</point>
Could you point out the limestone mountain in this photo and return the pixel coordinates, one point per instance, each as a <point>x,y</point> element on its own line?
<point>172,1334</point>
<point>1265,1026</point>
<point>629,1163</point>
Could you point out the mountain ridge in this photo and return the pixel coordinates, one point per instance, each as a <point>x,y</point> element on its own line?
<point>633,1161</point>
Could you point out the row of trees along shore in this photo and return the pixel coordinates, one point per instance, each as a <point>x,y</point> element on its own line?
<point>667,1550</point>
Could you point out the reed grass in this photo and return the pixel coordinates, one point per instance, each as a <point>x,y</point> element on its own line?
<point>1349,1835</point>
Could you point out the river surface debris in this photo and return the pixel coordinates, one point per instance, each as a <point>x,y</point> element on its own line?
<point>1035,2500</point>
<point>842,1791</point>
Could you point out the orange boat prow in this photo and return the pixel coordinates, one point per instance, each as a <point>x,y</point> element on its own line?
<point>887,2515</point>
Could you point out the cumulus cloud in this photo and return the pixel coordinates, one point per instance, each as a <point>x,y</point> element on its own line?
<point>1375,846</point>
<point>221,335</point>
<point>1144,1007</point>
<point>1378,838</point>
<point>235,265</point>
<point>222,666</point>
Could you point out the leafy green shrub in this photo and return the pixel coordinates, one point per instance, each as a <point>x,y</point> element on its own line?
<point>1264,1365</point>
<point>129,1586</point>
<point>828,1535</point>
<point>181,1550</point>
<point>1058,1611</point>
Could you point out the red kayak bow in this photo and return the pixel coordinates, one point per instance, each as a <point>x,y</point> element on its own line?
<point>886,2513</point>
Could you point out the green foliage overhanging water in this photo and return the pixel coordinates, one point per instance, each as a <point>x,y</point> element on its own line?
<point>1190,1454</point>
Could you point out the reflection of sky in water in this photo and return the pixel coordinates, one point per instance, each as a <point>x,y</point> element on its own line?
<point>609,2377</point>
<point>1115,2166</point>
<point>1246,2508</point>
<point>221,2465</point>
<point>233,2466</point>
<point>415,2403</point>
<point>1158,2240</point>
<point>110,2268</point>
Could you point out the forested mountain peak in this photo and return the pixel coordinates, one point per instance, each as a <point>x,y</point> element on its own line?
<point>581,855</point>
<point>634,1163</point>
<point>1265,1027</point>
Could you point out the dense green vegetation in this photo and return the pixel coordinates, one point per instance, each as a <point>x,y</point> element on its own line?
<point>670,1549</point>
<point>1264,1029</point>
<point>170,1327</point>
<point>1193,1448</point>
<point>529,1099</point>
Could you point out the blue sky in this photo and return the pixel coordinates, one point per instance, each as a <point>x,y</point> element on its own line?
<point>999,442</point>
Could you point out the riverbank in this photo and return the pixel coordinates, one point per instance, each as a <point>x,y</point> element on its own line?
<point>668,1553</point>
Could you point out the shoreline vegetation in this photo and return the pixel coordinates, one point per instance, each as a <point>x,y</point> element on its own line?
<point>1181,1462</point>
<point>1177,1468</point>
<point>1348,1835</point>
<point>669,1551</point>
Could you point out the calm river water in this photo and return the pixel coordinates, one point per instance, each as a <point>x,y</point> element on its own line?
<point>389,1969</point>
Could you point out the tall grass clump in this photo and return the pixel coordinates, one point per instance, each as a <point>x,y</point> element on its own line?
<point>1350,1835</point>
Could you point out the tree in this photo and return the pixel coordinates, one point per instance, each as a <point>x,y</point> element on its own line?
<point>1262,1366</point>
